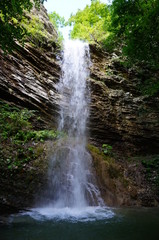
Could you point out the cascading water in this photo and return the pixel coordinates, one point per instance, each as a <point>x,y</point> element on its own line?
<point>72,183</point>
<point>72,192</point>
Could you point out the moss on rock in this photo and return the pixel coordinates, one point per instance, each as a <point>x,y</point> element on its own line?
<point>23,155</point>
<point>115,187</point>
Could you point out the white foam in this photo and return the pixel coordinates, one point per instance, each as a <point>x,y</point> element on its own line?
<point>70,214</point>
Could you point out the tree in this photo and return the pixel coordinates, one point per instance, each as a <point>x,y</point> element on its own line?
<point>135,23</point>
<point>57,20</point>
<point>58,23</point>
<point>11,29</point>
<point>91,24</point>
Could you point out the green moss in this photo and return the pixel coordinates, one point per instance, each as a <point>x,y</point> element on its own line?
<point>99,154</point>
<point>114,171</point>
<point>39,150</point>
<point>96,154</point>
<point>94,149</point>
<point>107,162</point>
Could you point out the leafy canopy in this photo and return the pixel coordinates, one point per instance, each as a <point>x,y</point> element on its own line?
<point>135,29</point>
<point>11,29</point>
<point>91,24</point>
<point>135,23</point>
<point>132,25</point>
<point>58,23</point>
<point>57,20</point>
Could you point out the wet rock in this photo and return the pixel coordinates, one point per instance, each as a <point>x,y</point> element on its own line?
<point>119,115</point>
<point>123,183</point>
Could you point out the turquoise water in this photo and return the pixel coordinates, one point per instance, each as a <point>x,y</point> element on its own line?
<point>115,224</point>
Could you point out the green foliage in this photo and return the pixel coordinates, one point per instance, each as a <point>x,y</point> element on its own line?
<point>150,87</point>
<point>20,143</point>
<point>91,24</point>
<point>107,149</point>
<point>44,135</point>
<point>15,125</point>
<point>58,23</point>
<point>23,156</point>
<point>127,25</point>
<point>12,120</point>
<point>57,20</point>
<point>135,24</point>
<point>35,29</point>
<point>98,154</point>
<point>151,165</point>
<point>11,13</point>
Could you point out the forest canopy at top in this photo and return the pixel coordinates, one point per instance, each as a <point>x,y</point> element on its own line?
<point>131,24</point>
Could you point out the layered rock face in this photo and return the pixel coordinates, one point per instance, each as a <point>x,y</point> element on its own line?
<point>119,114</point>
<point>29,75</point>
<point>121,117</point>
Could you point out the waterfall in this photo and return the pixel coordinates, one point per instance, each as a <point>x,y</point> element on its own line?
<point>72,193</point>
<point>71,179</point>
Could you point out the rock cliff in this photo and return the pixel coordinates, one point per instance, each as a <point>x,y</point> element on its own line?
<point>119,115</point>
<point>27,80</point>
<point>28,76</point>
<point>122,117</point>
